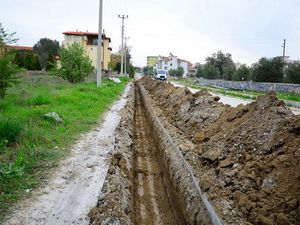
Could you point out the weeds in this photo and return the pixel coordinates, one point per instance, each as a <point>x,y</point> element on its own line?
<point>9,130</point>
<point>40,143</point>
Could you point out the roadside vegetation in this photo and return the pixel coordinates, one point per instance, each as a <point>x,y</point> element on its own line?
<point>30,144</point>
<point>41,115</point>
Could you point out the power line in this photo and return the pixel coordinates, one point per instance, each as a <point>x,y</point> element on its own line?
<point>122,46</point>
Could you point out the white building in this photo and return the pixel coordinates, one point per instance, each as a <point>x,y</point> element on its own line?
<point>173,62</point>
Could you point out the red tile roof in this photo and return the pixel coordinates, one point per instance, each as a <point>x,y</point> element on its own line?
<point>18,47</point>
<point>79,33</point>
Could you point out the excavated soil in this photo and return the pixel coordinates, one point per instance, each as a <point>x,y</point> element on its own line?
<point>246,158</point>
<point>188,159</point>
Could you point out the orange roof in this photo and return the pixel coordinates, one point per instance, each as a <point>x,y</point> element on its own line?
<point>79,33</point>
<point>19,47</point>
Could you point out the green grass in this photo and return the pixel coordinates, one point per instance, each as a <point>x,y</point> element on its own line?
<point>236,93</point>
<point>37,145</point>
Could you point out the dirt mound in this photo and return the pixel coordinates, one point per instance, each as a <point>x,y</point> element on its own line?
<point>186,111</point>
<point>246,158</point>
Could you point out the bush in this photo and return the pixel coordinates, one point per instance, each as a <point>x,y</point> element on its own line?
<point>210,71</point>
<point>268,70</point>
<point>8,70</point>
<point>39,100</point>
<point>242,73</point>
<point>293,73</point>
<point>75,65</point>
<point>9,130</point>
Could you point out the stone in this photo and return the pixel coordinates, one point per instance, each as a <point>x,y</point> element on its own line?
<point>225,163</point>
<point>282,219</point>
<point>262,220</point>
<point>292,204</point>
<point>54,117</point>
<point>283,158</point>
<point>211,155</point>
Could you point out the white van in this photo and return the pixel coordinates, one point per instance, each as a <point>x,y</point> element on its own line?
<point>161,75</point>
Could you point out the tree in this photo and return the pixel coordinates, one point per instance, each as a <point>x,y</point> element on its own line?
<point>293,73</point>
<point>210,71</point>
<point>8,70</point>
<point>179,72</point>
<point>199,72</point>
<point>6,38</point>
<point>268,70</point>
<point>220,61</point>
<point>75,65</point>
<point>172,72</point>
<point>43,48</point>
<point>27,60</point>
<point>148,70</point>
<point>242,73</point>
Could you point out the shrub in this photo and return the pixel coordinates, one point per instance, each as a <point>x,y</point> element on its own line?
<point>75,65</point>
<point>8,70</point>
<point>9,130</point>
<point>293,73</point>
<point>39,100</point>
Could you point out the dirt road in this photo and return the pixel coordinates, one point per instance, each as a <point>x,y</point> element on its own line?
<point>74,187</point>
<point>152,204</point>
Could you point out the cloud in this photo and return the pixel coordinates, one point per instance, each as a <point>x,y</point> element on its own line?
<point>191,29</point>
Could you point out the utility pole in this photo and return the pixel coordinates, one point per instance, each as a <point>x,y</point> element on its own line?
<point>99,55</point>
<point>122,46</point>
<point>126,50</point>
<point>283,46</point>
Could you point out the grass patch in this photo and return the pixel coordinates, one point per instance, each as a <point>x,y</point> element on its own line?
<point>37,144</point>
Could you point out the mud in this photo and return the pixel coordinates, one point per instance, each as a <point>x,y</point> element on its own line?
<point>246,159</point>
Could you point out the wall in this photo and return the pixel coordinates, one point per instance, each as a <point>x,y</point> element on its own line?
<point>252,86</point>
<point>91,50</point>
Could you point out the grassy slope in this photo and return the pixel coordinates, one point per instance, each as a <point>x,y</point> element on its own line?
<point>41,143</point>
<point>240,94</point>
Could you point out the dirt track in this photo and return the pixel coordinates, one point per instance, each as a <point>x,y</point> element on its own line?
<point>151,201</point>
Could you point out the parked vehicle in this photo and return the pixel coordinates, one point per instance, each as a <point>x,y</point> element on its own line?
<point>161,75</point>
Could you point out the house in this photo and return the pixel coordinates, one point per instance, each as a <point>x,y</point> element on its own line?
<point>172,63</point>
<point>151,61</point>
<point>7,48</point>
<point>193,69</point>
<point>89,41</point>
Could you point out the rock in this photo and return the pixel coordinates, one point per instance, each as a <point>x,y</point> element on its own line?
<point>269,183</point>
<point>211,155</point>
<point>282,219</point>
<point>111,221</point>
<point>116,80</point>
<point>262,220</point>
<point>225,163</point>
<point>283,158</point>
<point>53,116</point>
<point>292,205</point>
<point>205,183</point>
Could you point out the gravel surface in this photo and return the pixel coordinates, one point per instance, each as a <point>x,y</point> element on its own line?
<point>74,187</point>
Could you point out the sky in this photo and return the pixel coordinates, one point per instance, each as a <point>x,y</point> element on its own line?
<point>190,29</point>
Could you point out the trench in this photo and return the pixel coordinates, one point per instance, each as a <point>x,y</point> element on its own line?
<point>154,201</point>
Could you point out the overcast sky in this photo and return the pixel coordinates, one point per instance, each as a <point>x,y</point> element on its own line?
<point>190,29</point>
